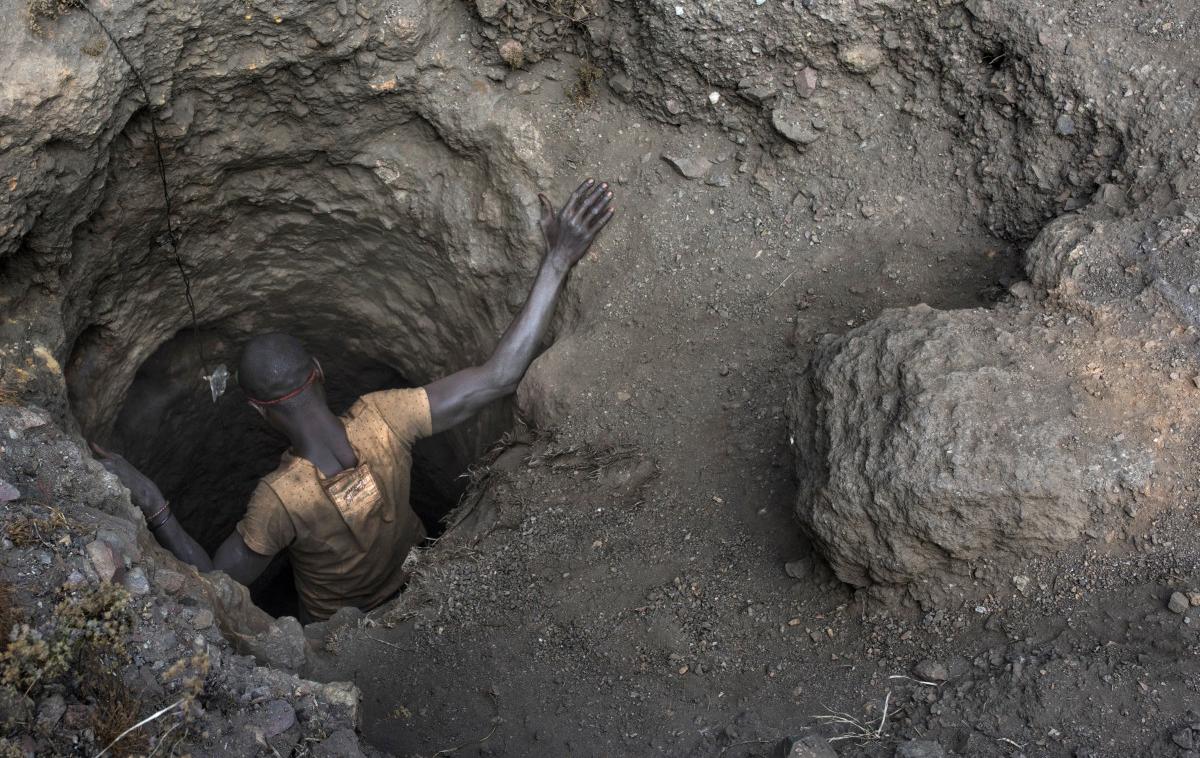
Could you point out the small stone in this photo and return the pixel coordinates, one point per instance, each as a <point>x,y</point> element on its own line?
<point>8,493</point>
<point>1022,290</point>
<point>714,97</point>
<point>489,9</point>
<point>168,580</point>
<point>690,167</point>
<point>799,569</point>
<point>719,179</point>
<point>277,717</point>
<point>919,749</point>
<point>806,82</point>
<point>806,747</point>
<point>1184,738</point>
<point>1021,582</point>
<point>50,712</point>
<point>620,84</point>
<point>1178,602</point>
<point>1194,599</point>
<point>1110,196</point>
<point>758,90</point>
<point>203,619</point>
<point>673,107</point>
<point>136,581</point>
<point>678,10</point>
<point>795,124</point>
<point>512,53</point>
<point>931,671</point>
<point>341,744</point>
<point>282,646</point>
<point>103,560</point>
<point>1065,126</point>
<point>861,57</point>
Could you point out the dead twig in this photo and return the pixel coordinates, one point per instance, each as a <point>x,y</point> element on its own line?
<point>918,681</point>
<point>785,281</point>
<point>383,642</point>
<point>163,740</point>
<point>452,750</point>
<point>859,730</point>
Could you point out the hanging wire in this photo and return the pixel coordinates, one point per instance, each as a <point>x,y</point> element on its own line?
<point>218,378</point>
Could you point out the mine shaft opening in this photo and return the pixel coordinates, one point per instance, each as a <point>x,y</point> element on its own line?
<point>207,456</point>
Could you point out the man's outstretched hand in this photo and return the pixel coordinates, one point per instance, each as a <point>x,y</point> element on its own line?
<point>143,492</point>
<point>570,232</point>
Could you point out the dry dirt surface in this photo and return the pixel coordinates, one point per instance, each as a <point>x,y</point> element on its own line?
<point>867,429</point>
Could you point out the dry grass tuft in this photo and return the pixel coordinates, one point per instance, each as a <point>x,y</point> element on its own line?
<point>114,706</point>
<point>27,530</point>
<point>38,11</point>
<point>860,731</point>
<point>9,749</point>
<point>10,615</point>
<point>93,622</point>
<point>586,77</point>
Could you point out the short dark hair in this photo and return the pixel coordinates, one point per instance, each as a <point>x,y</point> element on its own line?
<point>273,365</point>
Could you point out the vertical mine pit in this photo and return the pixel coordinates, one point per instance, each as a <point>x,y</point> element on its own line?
<point>207,456</point>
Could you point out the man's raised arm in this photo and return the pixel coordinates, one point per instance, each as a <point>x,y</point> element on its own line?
<point>568,233</point>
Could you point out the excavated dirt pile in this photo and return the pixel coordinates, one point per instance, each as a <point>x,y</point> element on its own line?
<point>889,359</point>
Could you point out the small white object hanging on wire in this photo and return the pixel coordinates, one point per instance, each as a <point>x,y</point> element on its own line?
<point>217,381</point>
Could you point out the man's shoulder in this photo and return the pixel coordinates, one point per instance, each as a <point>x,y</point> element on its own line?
<point>288,479</point>
<point>404,411</point>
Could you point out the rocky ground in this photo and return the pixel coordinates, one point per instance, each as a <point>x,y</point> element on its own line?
<point>764,505</point>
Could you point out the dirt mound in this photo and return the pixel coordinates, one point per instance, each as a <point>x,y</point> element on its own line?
<point>936,448</point>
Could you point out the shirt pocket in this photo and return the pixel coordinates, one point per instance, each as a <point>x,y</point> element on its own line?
<point>359,501</point>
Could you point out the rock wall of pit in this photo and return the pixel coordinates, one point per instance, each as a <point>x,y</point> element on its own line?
<point>324,179</point>
<point>327,178</point>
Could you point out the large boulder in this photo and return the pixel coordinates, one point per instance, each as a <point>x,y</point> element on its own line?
<point>930,442</point>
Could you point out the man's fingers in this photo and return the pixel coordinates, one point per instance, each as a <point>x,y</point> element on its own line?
<point>578,193</point>
<point>599,222</point>
<point>547,211</point>
<point>588,198</point>
<point>600,205</point>
<point>593,197</point>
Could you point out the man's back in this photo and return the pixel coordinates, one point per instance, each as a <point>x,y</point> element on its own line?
<point>347,535</point>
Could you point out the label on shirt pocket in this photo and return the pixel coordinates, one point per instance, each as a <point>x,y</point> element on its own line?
<point>358,499</point>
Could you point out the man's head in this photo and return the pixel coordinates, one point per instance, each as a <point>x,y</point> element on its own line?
<point>278,375</point>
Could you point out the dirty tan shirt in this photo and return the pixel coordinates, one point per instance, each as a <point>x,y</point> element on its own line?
<point>347,535</point>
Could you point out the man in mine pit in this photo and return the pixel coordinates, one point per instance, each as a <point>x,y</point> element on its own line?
<point>338,502</point>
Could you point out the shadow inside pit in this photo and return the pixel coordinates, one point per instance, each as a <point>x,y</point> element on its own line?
<point>207,457</point>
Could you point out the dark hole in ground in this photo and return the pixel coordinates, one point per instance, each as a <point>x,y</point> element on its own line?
<point>207,458</point>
